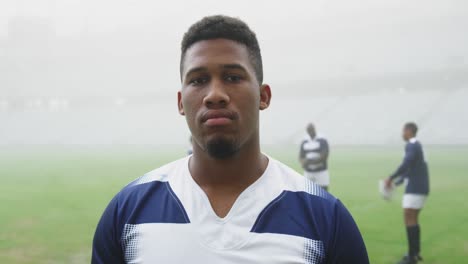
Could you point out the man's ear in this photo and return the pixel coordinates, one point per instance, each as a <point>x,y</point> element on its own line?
<point>265,96</point>
<point>179,103</point>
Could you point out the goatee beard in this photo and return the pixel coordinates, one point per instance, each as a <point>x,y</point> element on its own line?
<point>221,148</point>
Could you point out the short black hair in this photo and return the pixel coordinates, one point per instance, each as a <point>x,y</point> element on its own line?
<point>224,27</point>
<point>412,127</point>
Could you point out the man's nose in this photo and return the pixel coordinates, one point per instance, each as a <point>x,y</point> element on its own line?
<point>216,96</point>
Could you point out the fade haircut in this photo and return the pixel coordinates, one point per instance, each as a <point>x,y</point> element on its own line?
<point>224,27</point>
<point>411,126</point>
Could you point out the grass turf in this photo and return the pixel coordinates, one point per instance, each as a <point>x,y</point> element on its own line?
<point>51,200</point>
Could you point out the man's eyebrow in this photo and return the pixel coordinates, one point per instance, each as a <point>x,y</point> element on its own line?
<point>234,67</point>
<point>194,70</point>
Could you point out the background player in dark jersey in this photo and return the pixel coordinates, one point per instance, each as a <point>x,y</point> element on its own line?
<point>313,157</point>
<point>416,176</point>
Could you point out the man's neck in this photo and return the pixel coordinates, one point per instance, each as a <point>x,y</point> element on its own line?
<point>244,167</point>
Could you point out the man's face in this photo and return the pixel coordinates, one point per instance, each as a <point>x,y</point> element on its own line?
<point>311,131</point>
<point>407,134</point>
<point>220,96</point>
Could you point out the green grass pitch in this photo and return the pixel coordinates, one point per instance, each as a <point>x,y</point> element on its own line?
<point>51,200</point>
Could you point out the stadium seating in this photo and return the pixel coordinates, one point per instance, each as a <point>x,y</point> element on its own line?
<point>355,118</point>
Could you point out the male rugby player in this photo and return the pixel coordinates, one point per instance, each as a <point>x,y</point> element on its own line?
<point>313,157</point>
<point>415,172</point>
<point>227,202</point>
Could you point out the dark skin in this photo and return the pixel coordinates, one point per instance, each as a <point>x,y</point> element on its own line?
<point>221,99</point>
<point>311,131</point>
<point>410,216</point>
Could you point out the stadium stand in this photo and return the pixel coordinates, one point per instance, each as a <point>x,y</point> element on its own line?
<point>369,119</point>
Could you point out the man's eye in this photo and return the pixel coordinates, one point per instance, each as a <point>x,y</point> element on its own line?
<point>198,81</point>
<point>233,78</point>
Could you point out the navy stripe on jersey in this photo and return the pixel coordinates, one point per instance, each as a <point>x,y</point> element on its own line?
<point>116,230</point>
<point>166,207</point>
<point>310,214</point>
<point>322,220</point>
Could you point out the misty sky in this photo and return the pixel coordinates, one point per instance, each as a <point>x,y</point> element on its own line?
<point>70,86</point>
<point>300,40</point>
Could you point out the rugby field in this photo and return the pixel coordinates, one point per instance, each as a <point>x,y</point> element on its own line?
<point>51,199</point>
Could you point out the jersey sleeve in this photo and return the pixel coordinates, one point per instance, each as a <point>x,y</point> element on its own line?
<point>410,156</point>
<point>324,148</point>
<point>347,245</point>
<point>106,242</point>
<point>302,152</point>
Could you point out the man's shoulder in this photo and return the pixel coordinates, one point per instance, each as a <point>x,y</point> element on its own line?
<point>157,176</point>
<point>317,140</point>
<point>139,200</point>
<point>296,183</point>
<point>321,139</point>
<point>313,210</point>
<point>413,144</point>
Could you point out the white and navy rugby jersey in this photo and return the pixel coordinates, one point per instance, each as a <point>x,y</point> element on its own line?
<point>165,217</point>
<point>311,149</point>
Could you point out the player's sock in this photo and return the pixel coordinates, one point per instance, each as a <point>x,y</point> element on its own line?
<point>413,233</point>
<point>418,240</point>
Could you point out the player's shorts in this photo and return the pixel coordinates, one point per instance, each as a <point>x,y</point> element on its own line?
<point>414,201</point>
<point>321,178</point>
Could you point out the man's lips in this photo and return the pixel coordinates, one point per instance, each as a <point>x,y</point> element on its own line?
<point>218,117</point>
<point>218,121</point>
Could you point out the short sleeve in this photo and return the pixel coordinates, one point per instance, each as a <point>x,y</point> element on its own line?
<point>325,146</point>
<point>302,152</point>
<point>106,242</point>
<point>347,245</point>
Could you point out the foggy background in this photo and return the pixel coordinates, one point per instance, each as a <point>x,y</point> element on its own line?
<point>105,72</point>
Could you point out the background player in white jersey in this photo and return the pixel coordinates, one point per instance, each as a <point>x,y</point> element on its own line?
<point>415,172</point>
<point>227,202</point>
<point>313,157</point>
